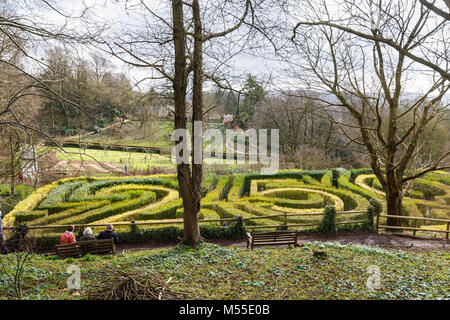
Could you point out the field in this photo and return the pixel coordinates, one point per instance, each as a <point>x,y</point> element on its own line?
<point>213,272</point>
<point>95,200</point>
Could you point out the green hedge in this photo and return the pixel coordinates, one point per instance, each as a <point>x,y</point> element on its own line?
<point>354,173</point>
<point>30,216</point>
<point>60,194</point>
<point>300,204</point>
<point>227,188</point>
<point>166,211</point>
<point>113,209</point>
<point>288,194</point>
<point>328,222</point>
<point>84,191</point>
<point>81,207</point>
<point>246,184</point>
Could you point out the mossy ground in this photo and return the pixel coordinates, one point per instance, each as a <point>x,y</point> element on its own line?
<point>214,272</point>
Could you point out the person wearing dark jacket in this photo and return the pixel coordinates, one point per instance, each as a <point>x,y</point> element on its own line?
<point>108,234</point>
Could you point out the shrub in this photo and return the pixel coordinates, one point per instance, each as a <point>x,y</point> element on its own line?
<point>335,177</point>
<point>328,222</point>
<point>166,211</point>
<point>209,183</point>
<point>227,188</point>
<point>288,194</point>
<point>31,201</point>
<point>354,173</point>
<point>80,208</point>
<point>246,184</point>
<point>59,194</point>
<point>113,208</point>
<point>30,216</point>
<point>372,211</point>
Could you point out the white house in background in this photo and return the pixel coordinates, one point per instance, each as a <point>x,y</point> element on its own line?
<point>29,161</point>
<point>228,118</point>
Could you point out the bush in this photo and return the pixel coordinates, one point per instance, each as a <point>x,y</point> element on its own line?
<point>354,173</point>
<point>30,216</point>
<point>335,177</point>
<point>167,211</point>
<point>246,184</point>
<point>113,208</point>
<point>288,194</point>
<point>328,222</point>
<point>227,188</point>
<point>372,211</point>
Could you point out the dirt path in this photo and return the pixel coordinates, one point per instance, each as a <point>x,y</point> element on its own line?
<point>383,240</point>
<point>387,241</point>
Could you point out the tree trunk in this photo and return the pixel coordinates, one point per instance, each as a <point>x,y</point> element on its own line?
<point>394,203</point>
<point>188,186</point>
<point>192,229</point>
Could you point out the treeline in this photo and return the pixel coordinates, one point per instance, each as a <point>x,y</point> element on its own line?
<point>84,94</point>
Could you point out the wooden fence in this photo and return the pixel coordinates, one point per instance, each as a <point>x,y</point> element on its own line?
<point>414,229</point>
<point>283,223</point>
<point>222,220</point>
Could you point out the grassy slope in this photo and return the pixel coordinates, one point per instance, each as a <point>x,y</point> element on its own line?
<point>214,272</point>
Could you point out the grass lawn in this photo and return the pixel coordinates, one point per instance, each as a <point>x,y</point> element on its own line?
<point>152,134</point>
<point>214,272</point>
<point>136,160</point>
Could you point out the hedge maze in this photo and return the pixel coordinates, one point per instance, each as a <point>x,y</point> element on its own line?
<point>88,200</point>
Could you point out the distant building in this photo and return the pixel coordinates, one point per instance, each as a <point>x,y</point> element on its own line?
<point>29,165</point>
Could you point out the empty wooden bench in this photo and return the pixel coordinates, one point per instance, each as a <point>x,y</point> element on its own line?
<point>84,247</point>
<point>272,238</point>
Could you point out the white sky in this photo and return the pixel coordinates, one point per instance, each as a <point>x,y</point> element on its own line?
<point>113,14</point>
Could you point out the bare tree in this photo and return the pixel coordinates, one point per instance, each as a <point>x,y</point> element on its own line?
<point>171,45</point>
<point>361,56</point>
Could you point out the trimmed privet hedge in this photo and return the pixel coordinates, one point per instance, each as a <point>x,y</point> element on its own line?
<point>230,210</point>
<point>354,173</point>
<point>30,216</point>
<point>209,183</point>
<point>60,194</point>
<point>84,191</point>
<point>166,211</point>
<point>300,204</point>
<point>440,177</point>
<point>82,207</point>
<point>227,188</point>
<point>246,184</point>
<point>344,183</point>
<point>288,194</point>
<point>328,222</point>
<point>428,189</point>
<point>334,178</point>
<point>372,211</point>
<point>113,208</point>
<point>31,201</point>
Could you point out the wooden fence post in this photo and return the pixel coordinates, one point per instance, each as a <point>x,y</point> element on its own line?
<point>448,228</point>
<point>377,221</point>
<point>415,226</point>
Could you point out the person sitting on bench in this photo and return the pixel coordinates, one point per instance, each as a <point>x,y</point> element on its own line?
<point>87,235</point>
<point>68,236</point>
<point>108,234</point>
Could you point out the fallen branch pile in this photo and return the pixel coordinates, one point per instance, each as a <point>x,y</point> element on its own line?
<point>116,284</point>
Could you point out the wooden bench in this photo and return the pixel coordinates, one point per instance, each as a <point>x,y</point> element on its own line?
<point>81,248</point>
<point>271,238</point>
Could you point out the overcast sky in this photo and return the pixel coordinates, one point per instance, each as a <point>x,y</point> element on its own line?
<point>115,16</point>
